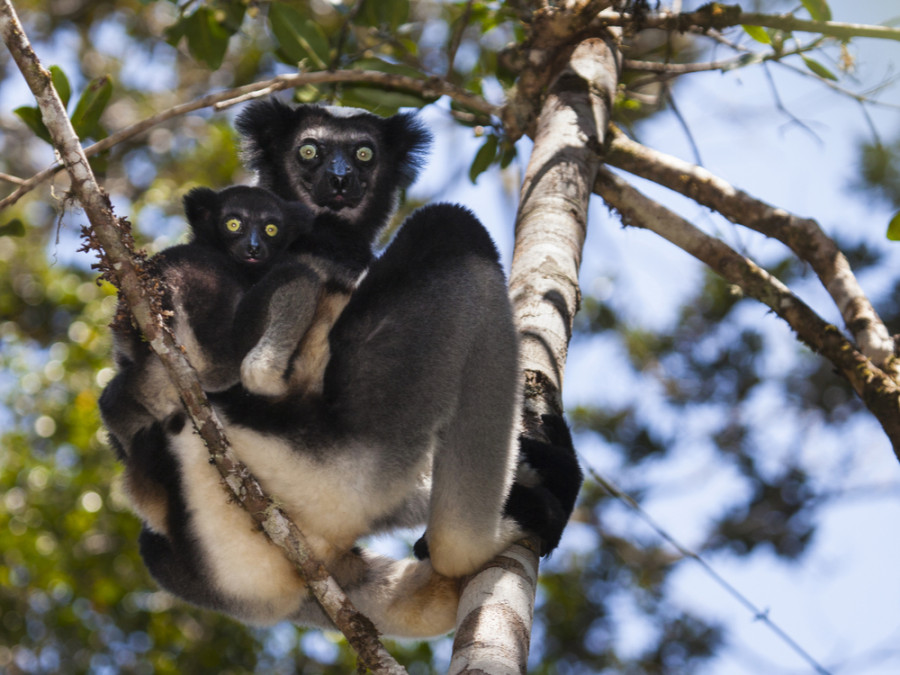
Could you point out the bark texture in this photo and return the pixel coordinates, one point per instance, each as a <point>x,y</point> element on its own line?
<point>552,219</point>
<point>497,605</point>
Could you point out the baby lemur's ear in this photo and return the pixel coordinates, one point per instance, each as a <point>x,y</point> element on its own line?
<point>201,206</point>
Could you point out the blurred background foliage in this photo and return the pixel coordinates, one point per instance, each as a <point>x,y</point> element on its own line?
<point>74,596</point>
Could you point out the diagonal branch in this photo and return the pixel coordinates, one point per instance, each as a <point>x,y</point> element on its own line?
<point>112,234</point>
<point>877,389</point>
<point>497,605</point>
<point>719,16</point>
<point>427,88</point>
<point>802,235</point>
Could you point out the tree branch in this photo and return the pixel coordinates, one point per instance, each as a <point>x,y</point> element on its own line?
<point>552,218</point>
<point>493,634</point>
<point>802,235</point>
<point>719,16</point>
<point>878,390</point>
<point>427,88</point>
<point>112,235</point>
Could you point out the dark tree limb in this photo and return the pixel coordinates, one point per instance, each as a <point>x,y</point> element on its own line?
<point>802,235</point>
<point>877,389</point>
<point>715,15</point>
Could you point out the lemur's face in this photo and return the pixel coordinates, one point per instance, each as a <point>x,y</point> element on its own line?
<point>343,163</point>
<point>334,165</point>
<point>254,228</point>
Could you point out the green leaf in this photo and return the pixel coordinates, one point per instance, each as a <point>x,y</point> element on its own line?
<point>507,154</point>
<point>819,69</point>
<point>298,37</point>
<point>176,31</point>
<point>758,33</point>
<point>308,93</point>
<point>384,13</point>
<point>484,158</point>
<point>378,100</point>
<point>32,117</point>
<point>386,67</point>
<point>91,104</point>
<point>818,9</point>
<point>14,228</point>
<point>61,84</point>
<point>381,100</point>
<point>893,231</point>
<point>207,38</point>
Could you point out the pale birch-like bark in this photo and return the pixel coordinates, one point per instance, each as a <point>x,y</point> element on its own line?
<point>113,236</point>
<point>497,604</point>
<point>552,219</point>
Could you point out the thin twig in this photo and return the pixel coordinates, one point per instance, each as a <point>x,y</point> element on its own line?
<point>12,179</point>
<point>695,149</point>
<point>718,16</point>
<point>457,38</point>
<point>758,614</point>
<point>427,88</point>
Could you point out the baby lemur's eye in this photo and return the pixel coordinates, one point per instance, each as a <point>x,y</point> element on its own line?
<point>271,229</point>
<point>365,154</point>
<point>308,151</point>
<point>232,225</point>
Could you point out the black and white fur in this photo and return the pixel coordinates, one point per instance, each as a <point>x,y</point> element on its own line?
<point>213,288</point>
<point>415,419</point>
<point>548,476</point>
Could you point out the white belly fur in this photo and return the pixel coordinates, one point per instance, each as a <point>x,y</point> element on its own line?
<point>333,502</point>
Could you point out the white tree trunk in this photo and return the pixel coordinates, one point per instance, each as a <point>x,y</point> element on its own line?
<point>495,613</point>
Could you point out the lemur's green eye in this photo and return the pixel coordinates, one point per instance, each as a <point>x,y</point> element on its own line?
<point>271,229</point>
<point>308,151</point>
<point>364,154</point>
<point>232,225</point>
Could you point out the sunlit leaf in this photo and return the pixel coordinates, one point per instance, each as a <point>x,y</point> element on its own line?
<point>758,33</point>
<point>298,37</point>
<point>32,117</point>
<point>207,37</point>
<point>819,69</point>
<point>61,84</point>
<point>893,231</point>
<point>91,104</point>
<point>483,158</point>
<point>818,9</point>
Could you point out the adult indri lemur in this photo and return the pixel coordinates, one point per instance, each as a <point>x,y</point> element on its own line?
<point>416,416</point>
